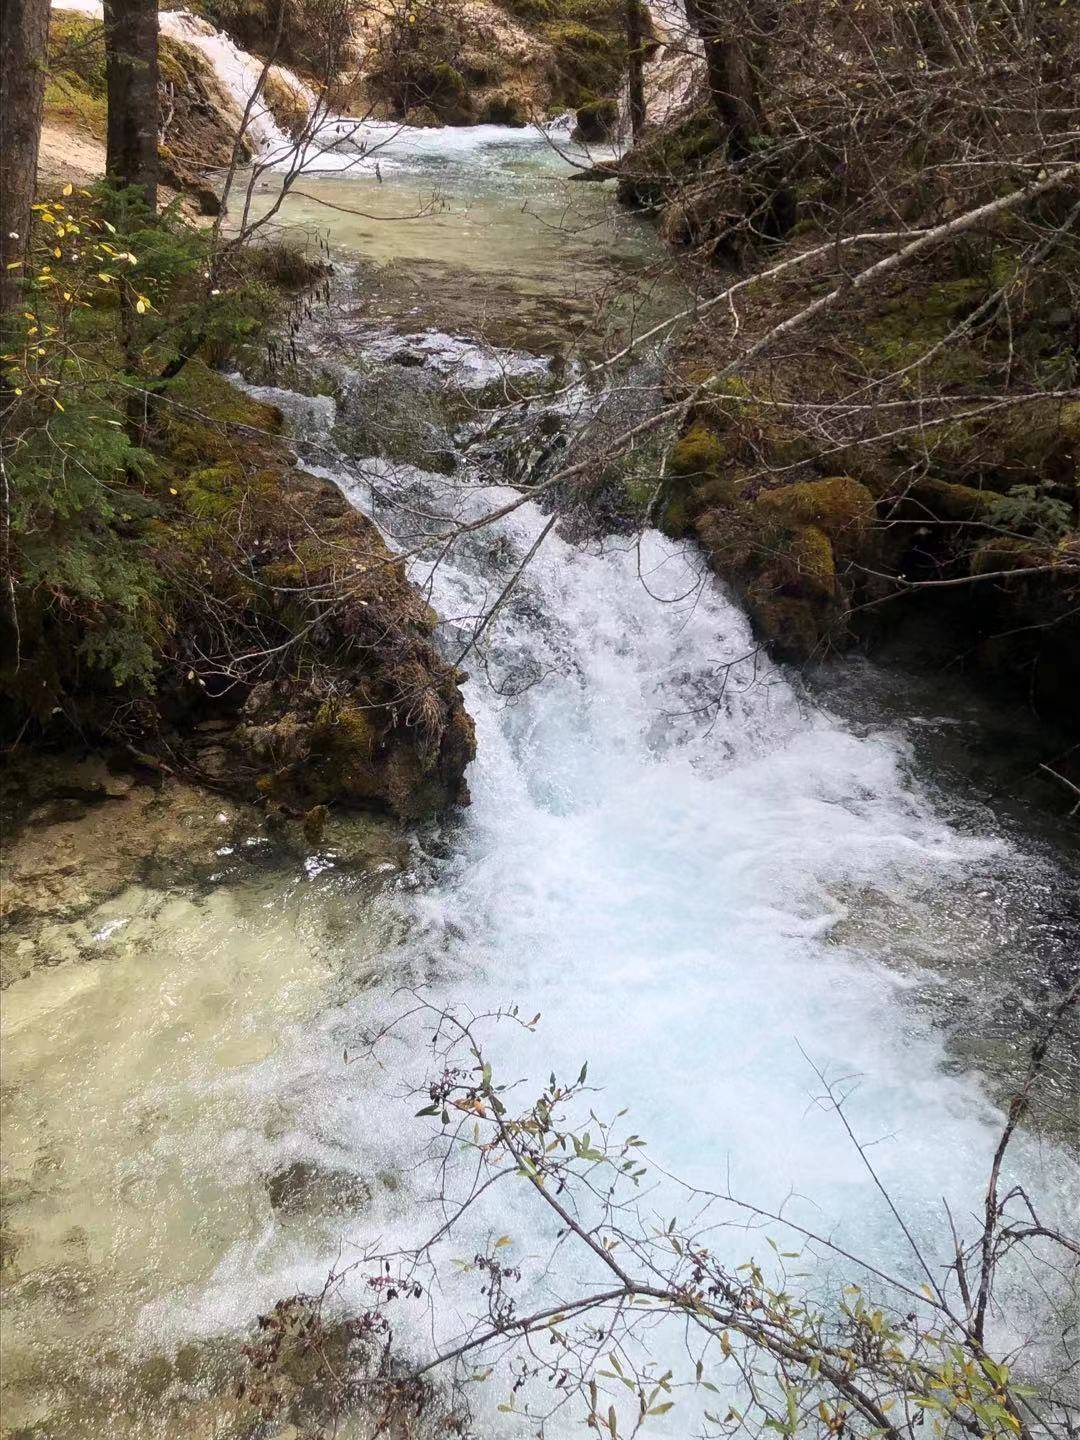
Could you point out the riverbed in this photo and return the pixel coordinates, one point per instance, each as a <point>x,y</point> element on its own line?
<point>720,885</point>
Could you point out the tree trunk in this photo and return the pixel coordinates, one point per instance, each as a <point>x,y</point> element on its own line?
<point>131,77</point>
<point>24,39</point>
<point>732,78</point>
<point>735,40</point>
<point>635,56</point>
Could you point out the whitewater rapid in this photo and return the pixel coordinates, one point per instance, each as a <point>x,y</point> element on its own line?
<point>710,886</point>
<point>682,863</point>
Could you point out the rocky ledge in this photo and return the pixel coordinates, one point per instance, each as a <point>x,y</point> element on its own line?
<point>291,661</point>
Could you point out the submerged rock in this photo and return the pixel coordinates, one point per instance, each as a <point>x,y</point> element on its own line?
<point>306,1188</point>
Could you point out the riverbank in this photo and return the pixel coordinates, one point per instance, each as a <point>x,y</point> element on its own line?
<point>897,467</point>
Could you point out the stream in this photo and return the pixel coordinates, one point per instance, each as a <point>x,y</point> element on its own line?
<point>712,879</point>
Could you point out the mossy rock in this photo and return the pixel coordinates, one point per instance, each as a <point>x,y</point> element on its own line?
<point>840,507</point>
<point>722,492</point>
<point>674,518</point>
<point>1005,552</point>
<point>597,122</point>
<point>503,109</point>
<point>698,454</point>
<point>729,538</point>
<point>588,62</point>
<point>946,501</point>
<point>813,564</point>
<point>344,731</point>
<point>794,628</point>
<point>285,103</point>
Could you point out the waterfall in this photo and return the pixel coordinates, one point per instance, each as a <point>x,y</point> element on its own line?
<point>237,71</point>
<point>239,74</point>
<point>675,71</point>
<point>707,885</point>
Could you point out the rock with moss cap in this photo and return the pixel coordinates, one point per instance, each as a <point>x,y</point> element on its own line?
<point>597,122</point>
<point>840,508</point>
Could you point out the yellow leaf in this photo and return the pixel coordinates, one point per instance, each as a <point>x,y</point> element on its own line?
<point>141,307</point>
<point>67,189</point>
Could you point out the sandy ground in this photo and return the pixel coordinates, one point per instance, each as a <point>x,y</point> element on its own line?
<point>67,154</point>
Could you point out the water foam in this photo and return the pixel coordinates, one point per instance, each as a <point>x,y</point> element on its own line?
<point>659,861</point>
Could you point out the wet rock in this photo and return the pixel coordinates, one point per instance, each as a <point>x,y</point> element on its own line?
<point>597,122</point>
<point>66,1288</point>
<point>54,875</point>
<point>306,1188</point>
<point>315,824</point>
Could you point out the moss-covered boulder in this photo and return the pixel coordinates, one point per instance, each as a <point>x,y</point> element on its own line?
<point>698,454</point>
<point>1006,552</point>
<point>286,103</point>
<point>780,549</point>
<point>366,712</point>
<point>945,501</point>
<point>790,625</point>
<point>809,553</point>
<point>840,508</point>
<point>597,122</point>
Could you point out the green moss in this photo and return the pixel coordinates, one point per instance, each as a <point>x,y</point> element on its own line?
<point>75,84</point>
<point>675,517</point>
<point>729,538</point>
<point>1005,552</point>
<point>286,105</point>
<point>589,62</point>
<point>840,507</point>
<point>531,12</point>
<point>1070,422</point>
<point>171,67</point>
<point>344,730</point>
<point>814,564</point>
<point>446,82</point>
<point>571,34</point>
<point>721,493</point>
<point>947,501</point>
<point>698,453</point>
<point>910,326</point>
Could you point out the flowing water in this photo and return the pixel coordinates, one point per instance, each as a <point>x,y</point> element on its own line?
<point>711,885</point>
